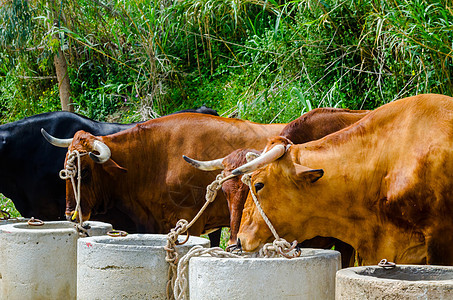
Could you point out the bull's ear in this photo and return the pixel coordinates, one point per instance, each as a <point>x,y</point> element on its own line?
<point>112,167</point>
<point>305,174</point>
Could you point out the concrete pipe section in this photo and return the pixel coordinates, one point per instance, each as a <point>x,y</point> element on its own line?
<point>40,262</point>
<point>310,276</point>
<point>401,282</point>
<point>131,267</point>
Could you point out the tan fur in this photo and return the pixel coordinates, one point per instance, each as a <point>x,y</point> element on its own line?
<point>386,190</point>
<point>310,126</point>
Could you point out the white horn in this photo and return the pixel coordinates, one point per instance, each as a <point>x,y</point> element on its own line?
<point>209,165</point>
<point>104,152</point>
<point>63,143</point>
<point>264,159</point>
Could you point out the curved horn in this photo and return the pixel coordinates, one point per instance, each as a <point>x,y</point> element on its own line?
<point>264,159</point>
<point>63,143</point>
<point>209,165</point>
<point>104,152</point>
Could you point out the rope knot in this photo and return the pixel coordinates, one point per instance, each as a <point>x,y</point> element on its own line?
<point>251,156</point>
<point>247,179</point>
<point>281,247</point>
<point>72,172</point>
<point>70,169</point>
<point>81,230</point>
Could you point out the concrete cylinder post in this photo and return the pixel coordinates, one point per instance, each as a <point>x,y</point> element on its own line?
<point>401,282</point>
<point>40,262</point>
<point>310,276</point>
<point>131,267</point>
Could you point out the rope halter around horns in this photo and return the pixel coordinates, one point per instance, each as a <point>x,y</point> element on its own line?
<point>71,171</point>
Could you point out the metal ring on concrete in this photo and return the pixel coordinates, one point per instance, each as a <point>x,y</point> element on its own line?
<point>35,222</point>
<point>386,264</point>
<point>182,243</point>
<point>117,233</point>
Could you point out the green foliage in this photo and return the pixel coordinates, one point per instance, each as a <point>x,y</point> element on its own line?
<point>266,61</point>
<point>7,206</point>
<point>17,24</point>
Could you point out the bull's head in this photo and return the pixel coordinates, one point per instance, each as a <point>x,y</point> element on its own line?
<point>234,189</point>
<point>275,170</point>
<point>94,171</point>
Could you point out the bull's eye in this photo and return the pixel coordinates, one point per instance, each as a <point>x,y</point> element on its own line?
<point>258,186</point>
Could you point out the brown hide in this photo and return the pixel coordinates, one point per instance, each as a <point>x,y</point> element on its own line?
<point>320,122</point>
<point>147,177</point>
<point>235,190</point>
<point>310,126</point>
<point>386,189</point>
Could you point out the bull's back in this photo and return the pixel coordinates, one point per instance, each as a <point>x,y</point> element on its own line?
<point>209,136</point>
<point>403,153</point>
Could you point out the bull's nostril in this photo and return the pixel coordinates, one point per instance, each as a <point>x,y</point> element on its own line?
<point>238,244</point>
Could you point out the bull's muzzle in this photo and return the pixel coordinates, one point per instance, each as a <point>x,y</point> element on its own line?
<point>71,216</point>
<point>235,247</point>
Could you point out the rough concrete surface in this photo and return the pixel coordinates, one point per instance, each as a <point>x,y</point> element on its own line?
<point>39,262</point>
<point>402,282</point>
<point>131,267</point>
<point>311,277</point>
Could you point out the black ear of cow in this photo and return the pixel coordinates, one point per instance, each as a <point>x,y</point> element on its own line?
<point>314,175</point>
<point>306,174</point>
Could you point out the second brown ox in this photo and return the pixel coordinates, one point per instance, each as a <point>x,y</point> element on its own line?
<point>140,170</point>
<point>384,185</point>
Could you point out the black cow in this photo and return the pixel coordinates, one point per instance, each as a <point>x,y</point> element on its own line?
<point>202,110</point>
<point>29,165</point>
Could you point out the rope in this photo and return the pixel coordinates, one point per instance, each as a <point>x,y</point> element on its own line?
<point>177,284</point>
<point>70,172</point>
<point>182,226</point>
<point>279,245</point>
<point>181,282</point>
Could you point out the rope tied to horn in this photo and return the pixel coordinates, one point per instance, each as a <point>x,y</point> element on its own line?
<point>71,171</point>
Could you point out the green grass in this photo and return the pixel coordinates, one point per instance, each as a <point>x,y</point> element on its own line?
<point>224,237</point>
<point>8,206</point>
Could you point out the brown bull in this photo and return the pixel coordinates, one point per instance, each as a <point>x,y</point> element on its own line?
<point>140,170</point>
<point>383,185</point>
<point>310,126</point>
